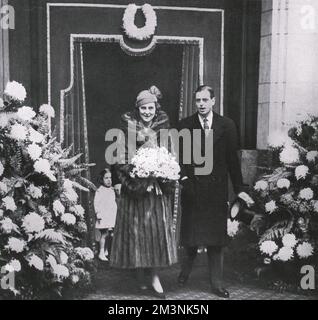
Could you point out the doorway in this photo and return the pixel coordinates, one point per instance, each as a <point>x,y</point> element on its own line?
<point>112,81</point>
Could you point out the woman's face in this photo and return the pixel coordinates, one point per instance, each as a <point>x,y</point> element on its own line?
<point>147,112</point>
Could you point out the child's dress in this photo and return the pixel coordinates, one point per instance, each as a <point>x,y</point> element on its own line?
<point>105,208</point>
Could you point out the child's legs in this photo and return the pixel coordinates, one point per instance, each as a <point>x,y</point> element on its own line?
<point>109,240</point>
<point>102,241</point>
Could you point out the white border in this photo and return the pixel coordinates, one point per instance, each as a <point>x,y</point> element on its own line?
<point>112,6</point>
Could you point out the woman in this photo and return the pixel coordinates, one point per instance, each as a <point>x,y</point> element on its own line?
<point>143,235</point>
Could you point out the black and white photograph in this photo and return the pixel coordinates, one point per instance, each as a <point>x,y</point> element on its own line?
<point>159,150</point>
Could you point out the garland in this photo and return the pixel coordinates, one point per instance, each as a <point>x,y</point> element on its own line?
<point>131,30</point>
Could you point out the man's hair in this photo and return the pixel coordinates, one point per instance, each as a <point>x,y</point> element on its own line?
<point>205,87</point>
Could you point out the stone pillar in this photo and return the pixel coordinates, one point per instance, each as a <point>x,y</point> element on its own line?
<point>4,50</point>
<point>288,75</point>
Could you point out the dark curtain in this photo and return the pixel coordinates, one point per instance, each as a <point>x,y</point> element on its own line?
<point>75,130</point>
<point>189,80</point>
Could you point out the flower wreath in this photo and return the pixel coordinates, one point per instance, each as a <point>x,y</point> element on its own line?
<point>131,30</point>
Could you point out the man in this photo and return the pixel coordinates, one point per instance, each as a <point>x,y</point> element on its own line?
<point>204,197</point>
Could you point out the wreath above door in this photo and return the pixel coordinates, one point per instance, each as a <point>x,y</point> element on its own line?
<point>145,32</point>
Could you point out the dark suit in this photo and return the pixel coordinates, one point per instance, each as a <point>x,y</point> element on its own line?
<point>204,198</point>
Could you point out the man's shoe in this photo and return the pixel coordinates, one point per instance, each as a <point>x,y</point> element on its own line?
<point>220,292</point>
<point>182,280</point>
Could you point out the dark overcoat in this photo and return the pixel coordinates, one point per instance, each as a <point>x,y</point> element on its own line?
<point>204,197</point>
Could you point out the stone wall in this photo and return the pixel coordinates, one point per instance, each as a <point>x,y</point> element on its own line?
<point>288,79</point>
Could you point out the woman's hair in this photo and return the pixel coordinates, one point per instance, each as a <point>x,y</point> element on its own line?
<point>100,178</point>
<point>154,92</point>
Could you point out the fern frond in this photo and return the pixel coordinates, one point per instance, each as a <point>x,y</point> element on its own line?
<point>277,231</point>
<point>67,151</point>
<point>87,183</point>
<point>75,172</point>
<point>79,186</point>
<point>50,235</point>
<point>69,162</point>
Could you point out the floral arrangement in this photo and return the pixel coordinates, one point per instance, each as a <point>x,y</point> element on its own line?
<point>155,162</point>
<point>152,168</point>
<point>42,225</point>
<point>287,199</point>
<point>131,30</point>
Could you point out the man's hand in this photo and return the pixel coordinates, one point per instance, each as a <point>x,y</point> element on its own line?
<point>117,188</point>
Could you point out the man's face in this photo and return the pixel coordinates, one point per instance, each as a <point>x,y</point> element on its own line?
<point>204,102</point>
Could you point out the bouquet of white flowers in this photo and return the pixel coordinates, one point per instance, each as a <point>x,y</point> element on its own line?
<point>155,163</point>
<point>151,168</point>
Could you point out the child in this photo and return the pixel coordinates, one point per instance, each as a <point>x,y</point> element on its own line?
<point>105,209</point>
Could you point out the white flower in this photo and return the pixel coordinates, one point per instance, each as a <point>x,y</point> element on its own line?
<point>18,132</point>
<point>61,271</point>
<point>289,155</point>
<point>7,225</point>
<point>283,183</point>
<point>15,264</point>
<point>36,262</point>
<point>68,185</point>
<point>15,91</point>
<point>26,113</point>
<point>51,261</point>
<point>3,188</point>
<point>9,203</point>
<point>289,240</point>
<point>78,210</point>
<point>301,172</point>
<point>16,245</point>
<point>71,196</point>
<point>315,205</point>
<point>34,151</point>
<point>34,191</point>
<point>305,250</point>
<point>35,136</point>
<point>43,166</point>
<point>232,227</point>
<point>75,278</point>
<point>261,185</point>
<point>306,194</point>
<point>1,168</point>
<point>68,218</point>
<point>58,207</point>
<point>1,103</point>
<point>284,254</point>
<point>63,257</point>
<point>1,213</point>
<point>268,247</point>
<point>48,110</point>
<point>33,223</point>
<point>270,206</point>
<point>311,156</point>
<point>85,253</point>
